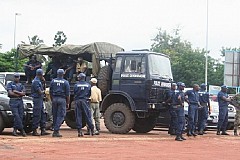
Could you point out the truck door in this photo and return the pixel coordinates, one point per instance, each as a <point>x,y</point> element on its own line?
<point>133,78</point>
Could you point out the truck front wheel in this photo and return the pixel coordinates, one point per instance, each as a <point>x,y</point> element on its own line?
<point>1,124</point>
<point>118,118</point>
<point>144,125</point>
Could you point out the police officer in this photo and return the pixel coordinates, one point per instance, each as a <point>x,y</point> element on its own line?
<point>39,116</point>
<point>178,107</point>
<point>173,115</point>
<point>223,102</point>
<point>193,104</point>
<point>60,96</point>
<point>16,91</point>
<point>82,93</point>
<point>204,110</point>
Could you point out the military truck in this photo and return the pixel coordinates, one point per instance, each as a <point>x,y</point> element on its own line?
<point>133,84</point>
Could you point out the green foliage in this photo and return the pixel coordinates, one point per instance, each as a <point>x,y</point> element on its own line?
<point>60,38</point>
<point>8,63</point>
<point>35,40</point>
<point>188,64</point>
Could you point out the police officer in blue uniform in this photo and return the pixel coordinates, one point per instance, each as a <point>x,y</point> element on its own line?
<point>82,93</point>
<point>173,116</point>
<point>193,104</point>
<point>39,116</point>
<point>178,98</point>
<point>60,96</point>
<point>223,102</point>
<point>15,92</point>
<point>204,110</point>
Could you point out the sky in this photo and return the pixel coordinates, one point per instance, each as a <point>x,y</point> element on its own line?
<point>131,24</point>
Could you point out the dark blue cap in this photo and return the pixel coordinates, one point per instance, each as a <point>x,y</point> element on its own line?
<point>182,84</point>
<point>179,83</point>
<point>81,75</point>
<point>223,86</point>
<point>60,71</point>
<point>39,72</point>
<point>16,74</point>
<point>203,85</point>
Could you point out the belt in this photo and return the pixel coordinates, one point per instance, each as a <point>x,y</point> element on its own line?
<point>16,98</point>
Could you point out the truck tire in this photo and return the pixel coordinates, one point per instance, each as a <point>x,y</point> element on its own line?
<point>28,129</point>
<point>1,124</point>
<point>70,119</point>
<point>144,125</point>
<point>104,79</point>
<point>118,118</point>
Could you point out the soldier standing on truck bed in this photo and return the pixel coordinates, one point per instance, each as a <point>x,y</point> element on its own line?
<point>60,96</point>
<point>82,93</point>
<point>39,117</point>
<point>31,67</point>
<point>16,91</point>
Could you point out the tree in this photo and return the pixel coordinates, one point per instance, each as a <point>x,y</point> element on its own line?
<point>60,38</point>
<point>35,40</point>
<point>8,63</point>
<point>188,64</point>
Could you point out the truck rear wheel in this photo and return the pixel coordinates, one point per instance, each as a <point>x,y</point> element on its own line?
<point>118,118</point>
<point>144,125</point>
<point>1,124</point>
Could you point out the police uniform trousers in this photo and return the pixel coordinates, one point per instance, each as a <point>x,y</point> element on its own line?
<point>192,117</point>
<point>82,107</point>
<point>58,111</point>
<point>39,116</point>
<point>179,110</point>
<point>16,105</point>
<point>173,119</point>
<point>223,118</point>
<point>95,113</point>
<point>202,116</point>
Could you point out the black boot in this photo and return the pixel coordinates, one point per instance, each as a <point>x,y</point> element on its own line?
<point>23,133</point>
<point>56,134</point>
<point>88,131</point>
<point>189,134</point>
<point>14,133</point>
<point>200,132</point>
<point>194,134</point>
<point>178,138</point>
<point>35,133</point>
<point>80,133</point>
<point>181,136</point>
<point>43,132</point>
<point>91,132</point>
<point>235,132</point>
<point>224,133</point>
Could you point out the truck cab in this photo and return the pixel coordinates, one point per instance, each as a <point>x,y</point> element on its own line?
<point>140,82</point>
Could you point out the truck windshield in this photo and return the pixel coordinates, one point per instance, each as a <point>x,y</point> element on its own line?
<point>159,66</point>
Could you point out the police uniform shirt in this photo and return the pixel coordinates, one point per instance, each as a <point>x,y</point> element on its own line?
<point>15,86</point>
<point>36,86</point>
<point>203,96</point>
<point>82,90</point>
<point>175,97</point>
<point>193,96</point>
<point>59,87</point>
<point>96,95</point>
<point>222,102</point>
